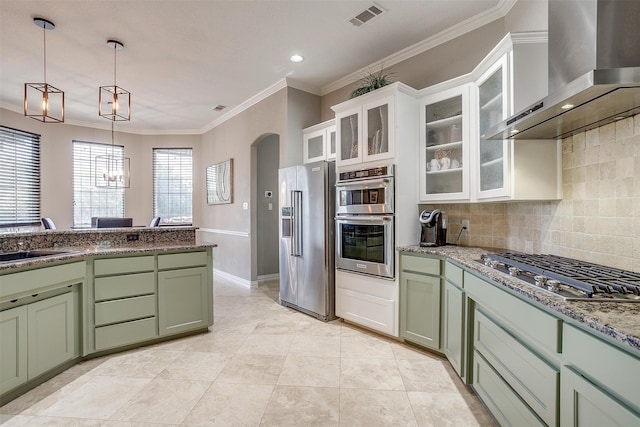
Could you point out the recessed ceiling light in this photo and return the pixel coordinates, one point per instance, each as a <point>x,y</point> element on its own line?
<point>567,106</point>
<point>219,107</point>
<point>514,131</point>
<point>296,58</point>
<point>620,118</point>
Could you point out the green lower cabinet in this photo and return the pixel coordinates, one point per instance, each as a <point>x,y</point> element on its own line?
<point>454,330</point>
<point>420,309</point>
<point>52,340</point>
<point>13,351</point>
<point>585,404</point>
<point>183,300</point>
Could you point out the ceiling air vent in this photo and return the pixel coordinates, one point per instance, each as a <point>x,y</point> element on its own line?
<point>366,15</point>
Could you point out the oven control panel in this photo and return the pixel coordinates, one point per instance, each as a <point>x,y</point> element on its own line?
<point>367,173</point>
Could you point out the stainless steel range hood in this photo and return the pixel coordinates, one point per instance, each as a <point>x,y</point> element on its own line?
<point>594,71</point>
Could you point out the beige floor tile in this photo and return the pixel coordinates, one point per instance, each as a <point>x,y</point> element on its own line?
<point>196,366</point>
<point>231,325</point>
<point>252,369</point>
<point>315,345</point>
<point>218,343</point>
<point>365,346</point>
<point>370,374</point>
<point>146,363</point>
<point>33,421</point>
<point>163,401</point>
<point>375,408</point>
<point>276,327</point>
<point>98,398</point>
<point>444,410</point>
<point>302,406</point>
<point>426,375</point>
<point>231,405</point>
<point>310,371</point>
<point>266,344</point>
<point>406,351</point>
<point>315,327</point>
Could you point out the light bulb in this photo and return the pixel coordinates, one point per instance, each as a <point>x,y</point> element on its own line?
<point>114,104</point>
<point>45,102</point>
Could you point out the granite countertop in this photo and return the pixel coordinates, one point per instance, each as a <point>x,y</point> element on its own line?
<point>618,320</point>
<point>79,253</point>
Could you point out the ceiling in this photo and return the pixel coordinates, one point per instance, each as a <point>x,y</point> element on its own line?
<point>181,58</point>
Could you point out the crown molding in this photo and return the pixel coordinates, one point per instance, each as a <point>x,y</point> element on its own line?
<point>475,22</point>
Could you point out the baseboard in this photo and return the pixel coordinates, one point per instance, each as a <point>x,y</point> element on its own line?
<point>268,278</point>
<point>231,277</point>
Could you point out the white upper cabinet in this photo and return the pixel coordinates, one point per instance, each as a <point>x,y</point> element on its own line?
<point>444,145</point>
<point>368,126</point>
<point>319,142</point>
<point>512,77</point>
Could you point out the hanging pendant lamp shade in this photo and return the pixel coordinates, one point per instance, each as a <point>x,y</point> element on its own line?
<point>112,170</point>
<point>114,102</point>
<point>42,101</point>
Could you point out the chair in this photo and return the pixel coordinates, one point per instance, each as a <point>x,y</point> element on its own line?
<point>111,222</point>
<point>155,222</point>
<point>48,224</point>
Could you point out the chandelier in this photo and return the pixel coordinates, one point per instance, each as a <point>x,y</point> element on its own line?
<point>112,170</point>
<point>42,101</point>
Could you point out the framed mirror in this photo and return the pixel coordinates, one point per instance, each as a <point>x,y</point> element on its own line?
<point>220,183</point>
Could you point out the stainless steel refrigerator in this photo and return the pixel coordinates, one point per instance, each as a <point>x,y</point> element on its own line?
<point>307,253</point>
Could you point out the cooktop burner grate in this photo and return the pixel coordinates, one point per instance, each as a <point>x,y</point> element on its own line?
<point>578,279</point>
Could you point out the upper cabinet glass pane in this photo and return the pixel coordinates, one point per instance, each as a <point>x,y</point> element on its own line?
<point>444,147</point>
<point>491,151</point>
<point>316,146</point>
<point>349,137</point>
<point>378,130</point>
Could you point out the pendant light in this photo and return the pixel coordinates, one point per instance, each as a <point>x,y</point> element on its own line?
<point>114,103</point>
<point>42,101</point>
<point>111,170</point>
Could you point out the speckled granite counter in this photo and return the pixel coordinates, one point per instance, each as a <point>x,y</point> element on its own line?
<point>619,320</point>
<point>78,244</point>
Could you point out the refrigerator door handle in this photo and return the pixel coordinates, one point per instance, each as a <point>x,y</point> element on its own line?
<point>296,235</point>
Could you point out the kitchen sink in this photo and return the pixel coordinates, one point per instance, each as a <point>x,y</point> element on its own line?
<point>24,255</point>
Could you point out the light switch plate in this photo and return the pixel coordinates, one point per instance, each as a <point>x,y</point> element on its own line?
<point>245,205</point>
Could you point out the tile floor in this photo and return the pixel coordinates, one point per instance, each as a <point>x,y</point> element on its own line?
<point>261,364</point>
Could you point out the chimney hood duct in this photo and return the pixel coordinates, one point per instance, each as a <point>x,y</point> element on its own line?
<point>594,71</point>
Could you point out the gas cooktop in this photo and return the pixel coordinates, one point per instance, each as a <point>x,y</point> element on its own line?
<point>568,278</point>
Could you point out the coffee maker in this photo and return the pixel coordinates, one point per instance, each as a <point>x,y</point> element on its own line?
<point>434,228</point>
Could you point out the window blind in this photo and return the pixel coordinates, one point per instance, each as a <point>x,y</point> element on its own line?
<point>19,178</point>
<point>89,200</point>
<point>173,185</point>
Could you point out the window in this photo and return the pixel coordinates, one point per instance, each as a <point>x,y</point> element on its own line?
<point>89,200</point>
<point>19,178</point>
<point>172,185</point>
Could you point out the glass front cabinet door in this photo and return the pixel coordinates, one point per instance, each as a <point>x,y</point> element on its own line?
<point>365,132</point>
<point>319,142</point>
<point>492,155</point>
<point>444,145</point>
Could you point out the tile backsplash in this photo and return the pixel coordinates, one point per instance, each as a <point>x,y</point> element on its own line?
<point>598,219</point>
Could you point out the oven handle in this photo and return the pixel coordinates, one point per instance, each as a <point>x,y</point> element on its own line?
<point>363,181</point>
<point>364,218</point>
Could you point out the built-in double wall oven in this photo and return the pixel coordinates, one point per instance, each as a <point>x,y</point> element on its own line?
<point>365,222</point>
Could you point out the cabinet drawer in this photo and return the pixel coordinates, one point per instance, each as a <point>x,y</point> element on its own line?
<point>454,274</point>
<point>125,309</point>
<point>502,402</point>
<point>621,372</point>
<point>125,333</point>
<point>533,379</point>
<point>26,282</point>
<point>134,264</point>
<point>420,264</point>
<point>187,259</point>
<point>124,286</point>
<point>527,321</point>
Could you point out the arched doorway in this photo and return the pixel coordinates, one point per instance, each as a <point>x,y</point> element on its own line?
<point>265,160</point>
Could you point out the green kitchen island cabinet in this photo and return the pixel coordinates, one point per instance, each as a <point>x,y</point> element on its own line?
<point>420,300</point>
<point>39,323</point>
<point>184,292</point>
